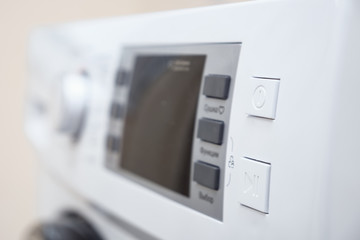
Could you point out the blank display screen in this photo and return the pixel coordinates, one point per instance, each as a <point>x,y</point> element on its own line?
<point>159,125</point>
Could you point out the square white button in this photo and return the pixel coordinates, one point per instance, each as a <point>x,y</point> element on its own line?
<point>255,184</point>
<point>264,95</point>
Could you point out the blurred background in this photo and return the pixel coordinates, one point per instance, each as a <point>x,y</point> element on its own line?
<point>18,161</point>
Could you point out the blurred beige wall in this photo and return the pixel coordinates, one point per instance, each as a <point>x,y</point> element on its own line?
<point>18,163</point>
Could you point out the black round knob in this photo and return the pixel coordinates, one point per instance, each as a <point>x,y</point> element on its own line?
<point>69,226</point>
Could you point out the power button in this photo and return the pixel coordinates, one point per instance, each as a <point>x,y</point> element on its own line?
<point>264,97</point>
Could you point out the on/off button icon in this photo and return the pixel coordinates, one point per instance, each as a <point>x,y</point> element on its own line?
<point>259,97</point>
<point>263,97</point>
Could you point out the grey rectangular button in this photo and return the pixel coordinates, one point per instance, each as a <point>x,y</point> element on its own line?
<point>210,130</point>
<point>217,86</point>
<point>113,143</point>
<point>117,110</point>
<point>207,175</point>
<point>122,78</point>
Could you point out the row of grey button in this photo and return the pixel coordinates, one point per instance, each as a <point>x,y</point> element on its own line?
<point>212,131</point>
<point>117,111</point>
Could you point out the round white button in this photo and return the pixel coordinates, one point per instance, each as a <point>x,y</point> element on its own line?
<point>259,97</point>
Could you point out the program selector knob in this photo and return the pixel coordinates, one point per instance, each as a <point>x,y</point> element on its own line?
<point>74,97</point>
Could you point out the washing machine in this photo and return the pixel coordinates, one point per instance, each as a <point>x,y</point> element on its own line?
<point>236,121</point>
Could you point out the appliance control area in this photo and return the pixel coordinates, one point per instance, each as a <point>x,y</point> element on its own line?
<point>151,84</point>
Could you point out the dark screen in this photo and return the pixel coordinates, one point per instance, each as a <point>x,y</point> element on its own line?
<point>160,119</point>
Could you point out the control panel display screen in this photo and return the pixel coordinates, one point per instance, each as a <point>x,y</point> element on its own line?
<point>159,124</point>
